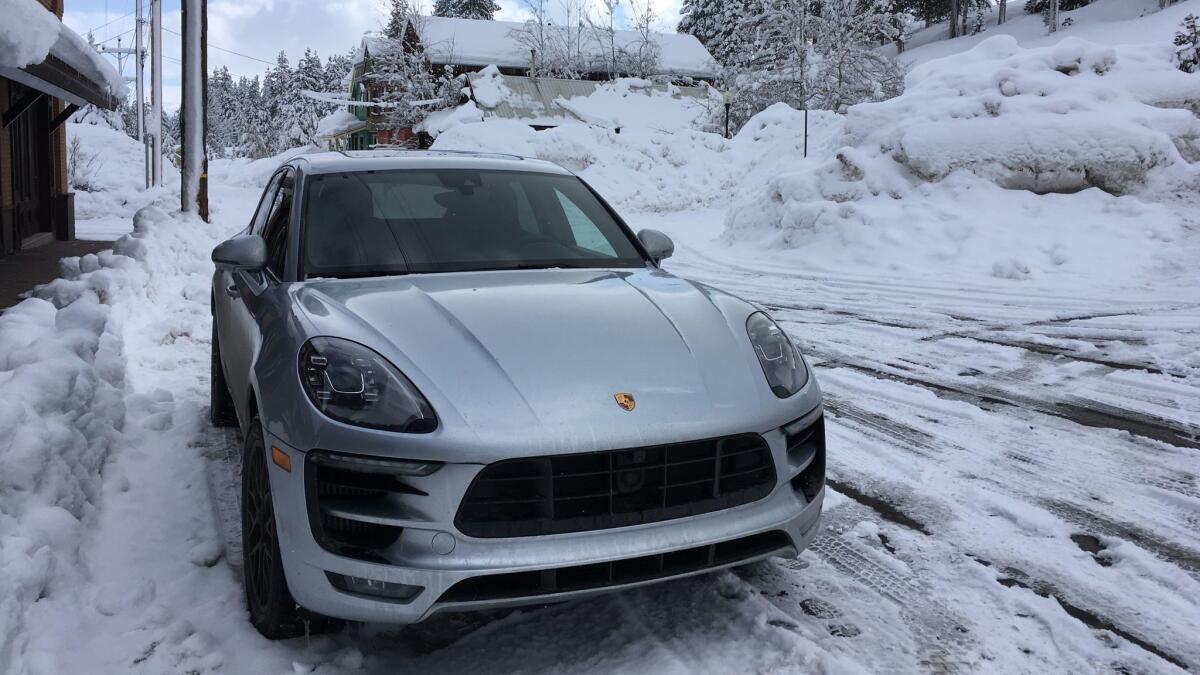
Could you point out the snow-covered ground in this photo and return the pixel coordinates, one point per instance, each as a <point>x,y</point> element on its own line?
<point>1012,388</point>
<point>1107,22</point>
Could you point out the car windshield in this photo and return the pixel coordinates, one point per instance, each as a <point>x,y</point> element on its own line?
<point>378,223</point>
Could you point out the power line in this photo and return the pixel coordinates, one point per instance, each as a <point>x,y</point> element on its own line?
<point>107,23</point>
<point>115,36</point>
<point>212,46</point>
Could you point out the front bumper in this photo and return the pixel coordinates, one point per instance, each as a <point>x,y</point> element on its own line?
<point>433,555</point>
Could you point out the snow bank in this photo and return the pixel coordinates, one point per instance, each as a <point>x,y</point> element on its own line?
<point>631,102</point>
<point>252,173</point>
<point>439,121</point>
<point>113,166</point>
<point>926,182</point>
<point>1106,22</point>
<point>62,409</point>
<point>641,168</point>
<point>1059,118</point>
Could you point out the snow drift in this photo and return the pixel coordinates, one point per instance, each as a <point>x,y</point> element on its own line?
<point>1012,162</point>
<point>1055,119</point>
<point>61,406</point>
<point>647,169</point>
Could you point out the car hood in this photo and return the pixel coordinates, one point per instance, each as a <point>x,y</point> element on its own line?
<point>537,356</point>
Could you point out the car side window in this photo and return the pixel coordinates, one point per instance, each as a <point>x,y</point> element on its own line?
<point>275,232</point>
<point>264,204</point>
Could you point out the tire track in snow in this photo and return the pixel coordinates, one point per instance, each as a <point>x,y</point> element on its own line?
<point>941,636</point>
<point>942,633</point>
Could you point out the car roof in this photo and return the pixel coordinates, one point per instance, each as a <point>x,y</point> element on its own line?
<point>388,160</point>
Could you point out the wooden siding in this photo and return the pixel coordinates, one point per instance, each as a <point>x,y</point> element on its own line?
<point>55,6</point>
<point>5,153</point>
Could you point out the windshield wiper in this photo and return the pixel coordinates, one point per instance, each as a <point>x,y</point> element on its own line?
<point>533,266</point>
<point>360,274</point>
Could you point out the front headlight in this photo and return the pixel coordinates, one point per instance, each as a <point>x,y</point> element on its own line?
<point>353,384</point>
<point>780,361</point>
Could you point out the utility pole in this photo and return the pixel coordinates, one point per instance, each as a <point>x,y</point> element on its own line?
<point>139,67</point>
<point>193,114</point>
<point>156,109</point>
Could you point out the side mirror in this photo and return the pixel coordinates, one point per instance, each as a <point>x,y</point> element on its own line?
<point>658,245</point>
<point>243,252</point>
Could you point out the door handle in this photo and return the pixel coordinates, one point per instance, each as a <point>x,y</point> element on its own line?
<point>232,291</point>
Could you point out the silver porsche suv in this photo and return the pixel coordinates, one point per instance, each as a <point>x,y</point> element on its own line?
<point>464,383</point>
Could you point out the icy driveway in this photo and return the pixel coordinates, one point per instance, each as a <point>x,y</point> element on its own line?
<point>1013,478</point>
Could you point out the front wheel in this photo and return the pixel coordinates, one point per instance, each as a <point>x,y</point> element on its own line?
<point>272,610</point>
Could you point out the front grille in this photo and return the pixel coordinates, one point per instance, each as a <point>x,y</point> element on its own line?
<point>616,572</point>
<point>615,488</point>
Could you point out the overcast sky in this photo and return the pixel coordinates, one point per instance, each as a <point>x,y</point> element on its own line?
<point>260,29</point>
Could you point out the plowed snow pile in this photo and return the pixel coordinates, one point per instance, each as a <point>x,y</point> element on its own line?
<point>1015,162</point>
<point>643,168</point>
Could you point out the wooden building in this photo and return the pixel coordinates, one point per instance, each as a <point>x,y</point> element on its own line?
<point>36,99</point>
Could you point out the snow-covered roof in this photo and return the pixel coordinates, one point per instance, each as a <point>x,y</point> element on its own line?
<point>476,42</point>
<point>30,34</point>
<point>338,123</point>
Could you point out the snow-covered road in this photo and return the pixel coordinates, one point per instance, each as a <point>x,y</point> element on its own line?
<point>1013,489</point>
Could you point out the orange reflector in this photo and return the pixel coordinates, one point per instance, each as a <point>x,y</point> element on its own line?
<point>281,459</point>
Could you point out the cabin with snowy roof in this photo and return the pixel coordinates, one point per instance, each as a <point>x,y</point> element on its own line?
<point>468,46</point>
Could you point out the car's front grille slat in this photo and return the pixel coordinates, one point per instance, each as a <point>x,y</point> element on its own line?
<point>590,491</point>
<point>494,587</point>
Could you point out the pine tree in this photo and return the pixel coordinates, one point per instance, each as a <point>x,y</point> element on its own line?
<point>408,91</point>
<point>254,121</point>
<point>280,97</point>
<point>221,111</point>
<point>398,19</point>
<point>466,9</point>
<point>812,54</point>
<point>1187,44</point>
<point>715,24</point>
<point>337,69</point>
<point>1040,6</point>
<point>310,76</point>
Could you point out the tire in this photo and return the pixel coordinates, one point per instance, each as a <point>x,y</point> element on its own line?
<point>272,610</point>
<point>220,404</point>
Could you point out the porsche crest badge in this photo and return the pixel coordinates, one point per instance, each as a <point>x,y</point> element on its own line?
<point>625,400</point>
